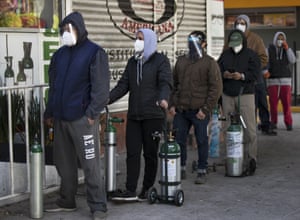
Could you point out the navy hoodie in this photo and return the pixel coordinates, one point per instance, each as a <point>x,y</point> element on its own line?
<point>78,77</point>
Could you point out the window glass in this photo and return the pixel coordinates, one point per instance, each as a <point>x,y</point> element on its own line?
<point>264,18</point>
<point>29,13</point>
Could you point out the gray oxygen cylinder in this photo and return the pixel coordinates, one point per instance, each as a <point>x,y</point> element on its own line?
<point>36,180</point>
<point>235,149</point>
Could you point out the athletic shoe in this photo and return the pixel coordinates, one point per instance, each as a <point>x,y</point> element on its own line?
<point>125,195</point>
<point>143,196</point>
<point>269,132</point>
<point>99,215</point>
<point>183,174</point>
<point>252,167</point>
<point>201,178</point>
<point>289,127</point>
<point>56,208</point>
<point>273,126</point>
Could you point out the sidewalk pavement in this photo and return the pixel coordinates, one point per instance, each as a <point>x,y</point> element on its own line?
<point>272,193</point>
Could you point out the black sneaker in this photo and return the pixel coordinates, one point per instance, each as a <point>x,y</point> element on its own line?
<point>273,126</point>
<point>201,178</point>
<point>183,174</point>
<point>125,195</point>
<point>269,132</point>
<point>289,127</point>
<point>252,167</point>
<point>56,208</point>
<point>99,215</point>
<point>143,196</point>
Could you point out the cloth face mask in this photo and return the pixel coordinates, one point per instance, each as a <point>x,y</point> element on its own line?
<point>139,45</point>
<point>69,38</point>
<point>237,48</point>
<point>241,27</point>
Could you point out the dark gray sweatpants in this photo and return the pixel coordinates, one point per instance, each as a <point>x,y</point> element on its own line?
<point>75,140</point>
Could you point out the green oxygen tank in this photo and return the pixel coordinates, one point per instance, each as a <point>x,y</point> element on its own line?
<point>36,179</point>
<point>170,179</point>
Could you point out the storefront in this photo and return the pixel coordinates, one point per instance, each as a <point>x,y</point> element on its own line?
<point>29,31</point>
<point>110,23</point>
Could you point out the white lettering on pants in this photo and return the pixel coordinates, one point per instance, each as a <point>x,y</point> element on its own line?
<point>88,141</point>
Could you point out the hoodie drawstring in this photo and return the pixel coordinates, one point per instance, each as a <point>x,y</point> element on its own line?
<point>279,53</point>
<point>139,71</point>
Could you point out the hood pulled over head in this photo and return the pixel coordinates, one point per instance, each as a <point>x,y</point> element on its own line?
<point>150,42</point>
<point>76,19</point>
<point>245,18</point>
<point>276,36</point>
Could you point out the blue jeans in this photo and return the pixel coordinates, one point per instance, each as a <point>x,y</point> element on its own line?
<point>182,123</point>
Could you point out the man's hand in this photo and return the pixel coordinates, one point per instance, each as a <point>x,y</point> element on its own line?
<point>163,104</point>
<point>285,45</point>
<point>49,122</point>
<point>227,75</point>
<point>172,111</point>
<point>236,76</point>
<point>91,121</point>
<point>200,115</point>
<point>267,74</point>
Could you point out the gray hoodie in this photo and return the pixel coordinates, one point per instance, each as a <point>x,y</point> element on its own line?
<point>280,54</point>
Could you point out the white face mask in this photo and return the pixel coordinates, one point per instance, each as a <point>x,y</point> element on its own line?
<point>139,45</point>
<point>69,38</point>
<point>237,49</point>
<point>241,27</point>
<point>279,43</point>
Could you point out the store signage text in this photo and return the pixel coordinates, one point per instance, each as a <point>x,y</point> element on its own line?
<point>131,15</point>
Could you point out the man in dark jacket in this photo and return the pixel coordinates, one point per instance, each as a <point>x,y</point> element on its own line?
<point>79,90</point>
<point>197,88</point>
<point>239,67</point>
<point>148,79</point>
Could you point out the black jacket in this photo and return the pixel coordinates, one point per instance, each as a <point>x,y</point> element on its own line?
<point>246,62</point>
<point>156,84</point>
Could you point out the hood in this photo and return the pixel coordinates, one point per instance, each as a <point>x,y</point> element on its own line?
<point>245,18</point>
<point>276,35</point>
<point>242,34</point>
<point>150,42</point>
<point>76,19</point>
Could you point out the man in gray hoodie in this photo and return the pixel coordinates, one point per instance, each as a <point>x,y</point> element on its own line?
<point>279,84</point>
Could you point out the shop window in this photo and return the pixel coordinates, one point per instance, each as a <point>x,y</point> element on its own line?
<point>264,18</point>
<point>29,13</point>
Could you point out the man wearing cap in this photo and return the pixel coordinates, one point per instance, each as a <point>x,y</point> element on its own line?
<point>256,43</point>
<point>197,88</point>
<point>239,67</point>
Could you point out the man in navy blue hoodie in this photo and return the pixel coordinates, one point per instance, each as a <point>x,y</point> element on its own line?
<point>148,79</point>
<point>79,90</point>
